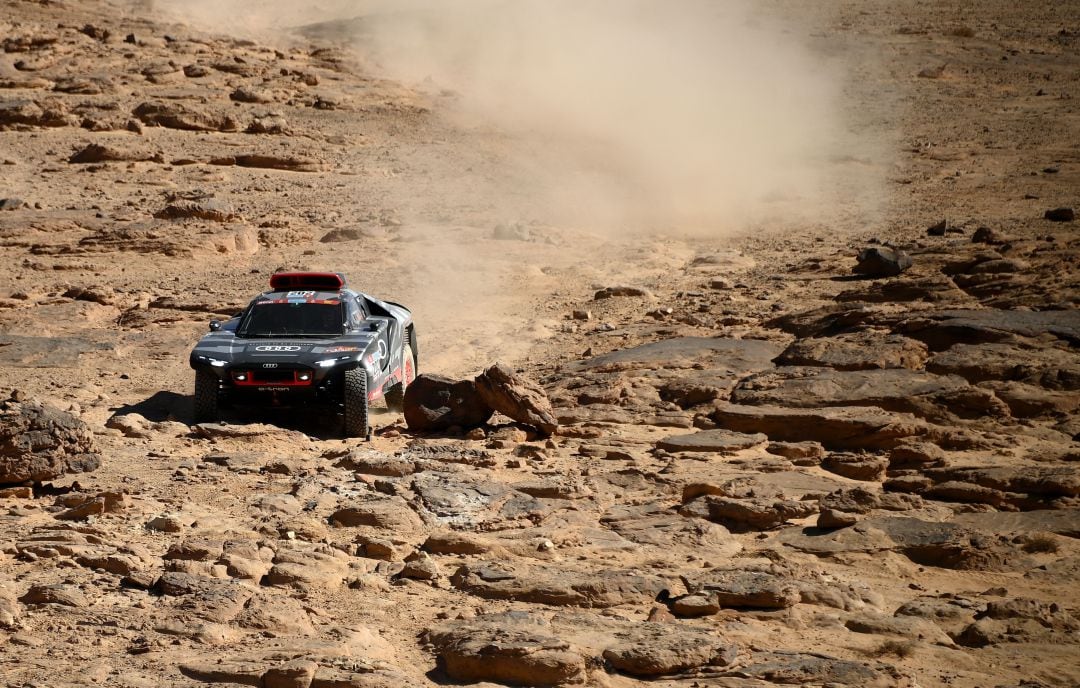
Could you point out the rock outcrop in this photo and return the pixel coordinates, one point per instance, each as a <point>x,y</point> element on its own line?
<point>39,442</point>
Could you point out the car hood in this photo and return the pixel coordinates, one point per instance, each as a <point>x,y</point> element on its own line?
<point>225,346</point>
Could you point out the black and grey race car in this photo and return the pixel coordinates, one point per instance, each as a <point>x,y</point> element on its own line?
<point>310,339</point>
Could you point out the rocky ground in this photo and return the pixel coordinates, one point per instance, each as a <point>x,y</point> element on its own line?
<point>768,469</point>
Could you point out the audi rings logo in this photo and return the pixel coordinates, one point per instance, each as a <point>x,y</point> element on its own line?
<point>276,348</point>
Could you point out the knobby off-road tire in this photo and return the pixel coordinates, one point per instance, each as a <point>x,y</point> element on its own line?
<point>395,396</point>
<point>206,397</point>
<point>356,404</point>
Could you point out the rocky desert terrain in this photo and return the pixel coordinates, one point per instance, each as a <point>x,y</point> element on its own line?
<point>831,444</point>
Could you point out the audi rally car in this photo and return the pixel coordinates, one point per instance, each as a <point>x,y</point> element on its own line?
<point>310,339</point>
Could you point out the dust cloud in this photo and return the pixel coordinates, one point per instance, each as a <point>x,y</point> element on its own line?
<point>609,122</point>
<point>696,116</point>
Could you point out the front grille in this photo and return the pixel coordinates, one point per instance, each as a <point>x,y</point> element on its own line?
<point>272,377</point>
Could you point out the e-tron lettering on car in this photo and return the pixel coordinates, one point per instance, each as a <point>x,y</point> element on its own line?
<point>309,342</point>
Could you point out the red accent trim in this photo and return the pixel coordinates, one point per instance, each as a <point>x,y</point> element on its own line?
<point>329,281</point>
<point>330,302</point>
<point>253,380</point>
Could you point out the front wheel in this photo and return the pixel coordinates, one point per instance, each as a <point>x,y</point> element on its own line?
<point>356,404</point>
<point>395,396</point>
<point>206,397</point>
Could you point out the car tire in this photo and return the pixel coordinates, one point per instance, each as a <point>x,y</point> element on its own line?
<point>206,397</point>
<point>395,396</point>
<point>356,404</point>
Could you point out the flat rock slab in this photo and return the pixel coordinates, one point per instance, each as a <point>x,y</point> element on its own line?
<point>900,390</point>
<point>740,588</point>
<point>459,500</point>
<point>1060,521</point>
<point>658,525</point>
<point>211,599</point>
<point>718,441</point>
<point>806,669</point>
<point>1043,481</point>
<point>946,545</point>
<point>557,586</point>
<point>387,513</point>
<point>271,672</point>
<point>512,648</point>
<point>856,351</point>
<point>747,514</point>
<point>64,595</point>
<point>45,352</point>
<point>658,649</point>
<point>686,352</point>
<point>838,427</point>
<point>942,329</point>
<point>1047,366</point>
<point>939,330</point>
<point>933,289</point>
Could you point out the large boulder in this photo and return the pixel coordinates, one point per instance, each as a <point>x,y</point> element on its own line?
<point>40,442</point>
<point>516,397</point>
<point>881,261</point>
<point>434,402</point>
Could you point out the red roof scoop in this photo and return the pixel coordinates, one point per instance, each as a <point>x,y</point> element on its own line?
<point>321,281</point>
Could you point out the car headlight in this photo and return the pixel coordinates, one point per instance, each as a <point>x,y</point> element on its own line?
<point>330,362</point>
<point>213,361</point>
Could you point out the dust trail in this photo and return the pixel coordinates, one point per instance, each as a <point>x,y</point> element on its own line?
<point>691,115</point>
<point>696,115</point>
<point>624,119</point>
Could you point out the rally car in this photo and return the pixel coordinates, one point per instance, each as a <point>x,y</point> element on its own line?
<point>309,340</point>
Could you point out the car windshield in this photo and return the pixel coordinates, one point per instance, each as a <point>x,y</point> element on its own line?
<point>276,319</point>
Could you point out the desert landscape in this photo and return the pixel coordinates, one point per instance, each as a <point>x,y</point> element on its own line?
<point>784,297</point>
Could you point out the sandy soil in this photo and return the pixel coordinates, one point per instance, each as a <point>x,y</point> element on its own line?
<point>968,117</point>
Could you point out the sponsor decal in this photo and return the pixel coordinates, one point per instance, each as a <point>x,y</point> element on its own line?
<point>276,348</point>
<point>378,356</point>
<point>299,294</point>
<point>340,349</point>
<point>269,365</point>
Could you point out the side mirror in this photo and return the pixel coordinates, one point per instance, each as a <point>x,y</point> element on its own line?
<point>215,325</point>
